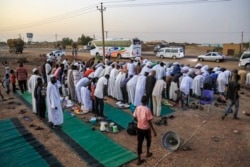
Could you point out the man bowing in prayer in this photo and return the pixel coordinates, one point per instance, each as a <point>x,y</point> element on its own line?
<point>31,87</point>
<point>55,113</point>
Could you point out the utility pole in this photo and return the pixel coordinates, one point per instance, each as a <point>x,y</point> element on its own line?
<point>103,41</point>
<point>241,47</point>
<point>56,40</point>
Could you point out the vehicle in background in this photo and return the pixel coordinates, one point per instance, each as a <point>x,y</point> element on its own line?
<point>55,55</point>
<point>159,46</point>
<point>212,56</point>
<point>245,60</point>
<point>15,45</point>
<point>171,52</point>
<point>116,47</point>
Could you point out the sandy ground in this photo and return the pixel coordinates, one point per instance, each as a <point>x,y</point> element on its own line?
<point>212,141</point>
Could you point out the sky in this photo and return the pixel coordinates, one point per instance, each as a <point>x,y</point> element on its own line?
<point>192,21</point>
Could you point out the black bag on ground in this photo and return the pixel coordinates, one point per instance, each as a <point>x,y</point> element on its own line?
<point>132,127</point>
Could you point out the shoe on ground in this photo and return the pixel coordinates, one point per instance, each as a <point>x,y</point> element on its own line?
<point>236,118</point>
<point>56,126</point>
<point>139,162</point>
<point>223,117</point>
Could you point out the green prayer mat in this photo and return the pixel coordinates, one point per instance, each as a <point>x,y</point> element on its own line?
<point>95,148</point>
<point>18,147</point>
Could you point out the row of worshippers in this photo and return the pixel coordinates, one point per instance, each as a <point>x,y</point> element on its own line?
<point>129,81</point>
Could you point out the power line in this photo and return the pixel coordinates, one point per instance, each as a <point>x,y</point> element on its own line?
<point>53,19</point>
<point>90,9</point>
<point>164,3</point>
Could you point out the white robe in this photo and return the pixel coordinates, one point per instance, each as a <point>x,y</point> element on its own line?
<point>117,89</point>
<point>131,84</point>
<point>221,81</point>
<point>139,89</point>
<point>186,84</point>
<point>160,72</point>
<point>131,69</point>
<point>98,72</point>
<point>248,79</point>
<point>111,83</point>
<point>197,85</point>
<point>145,69</point>
<point>82,82</point>
<point>48,69</point>
<point>53,100</point>
<point>31,88</point>
<point>172,91</point>
<point>86,98</point>
<point>107,69</point>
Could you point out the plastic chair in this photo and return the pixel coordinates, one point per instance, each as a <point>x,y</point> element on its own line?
<point>206,98</point>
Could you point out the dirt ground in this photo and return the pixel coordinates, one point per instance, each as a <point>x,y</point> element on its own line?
<point>212,142</point>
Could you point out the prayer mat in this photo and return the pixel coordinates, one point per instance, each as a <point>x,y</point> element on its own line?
<point>94,147</point>
<point>165,110</point>
<point>18,147</point>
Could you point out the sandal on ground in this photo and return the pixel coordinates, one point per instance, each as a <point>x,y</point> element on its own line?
<point>186,148</point>
<point>140,162</point>
<point>32,125</point>
<point>149,154</point>
<point>39,128</point>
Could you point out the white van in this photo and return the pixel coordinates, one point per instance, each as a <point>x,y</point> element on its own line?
<point>171,52</point>
<point>245,60</point>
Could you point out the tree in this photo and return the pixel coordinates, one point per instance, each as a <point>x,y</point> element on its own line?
<point>66,41</point>
<point>83,40</point>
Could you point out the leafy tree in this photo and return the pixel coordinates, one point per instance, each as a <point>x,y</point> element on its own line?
<point>83,40</point>
<point>66,41</point>
<point>74,45</point>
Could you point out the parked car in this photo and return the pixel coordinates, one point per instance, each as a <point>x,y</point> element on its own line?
<point>212,56</point>
<point>170,52</point>
<point>245,60</point>
<point>55,55</point>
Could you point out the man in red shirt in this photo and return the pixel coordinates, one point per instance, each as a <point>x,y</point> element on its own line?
<point>144,117</point>
<point>22,75</point>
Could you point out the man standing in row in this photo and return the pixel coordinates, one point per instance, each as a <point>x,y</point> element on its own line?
<point>22,76</point>
<point>55,113</point>
<point>100,92</point>
<point>31,87</point>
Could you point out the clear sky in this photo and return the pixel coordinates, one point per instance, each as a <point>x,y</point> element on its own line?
<point>197,21</point>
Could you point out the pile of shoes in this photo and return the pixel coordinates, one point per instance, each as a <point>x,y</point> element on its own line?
<point>162,121</point>
<point>194,106</point>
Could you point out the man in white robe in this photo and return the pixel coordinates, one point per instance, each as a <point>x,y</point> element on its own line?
<point>140,88</point>
<point>117,88</point>
<point>131,88</point>
<point>55,113</point>
<point>222,81</point>
<point>31,87</point>
<point>159,88</point>
<point>186,86</point>
<point>82,82</point>
<point>160,71</point>
<point>107,69</point>
<point>111,83</point>
<point>146,68</point>
<point>86,99</point>
<point>98,71</point>
<point>131,68</point>
<point>198,85</point>
<point>70,83</point>
<point>48,69</point>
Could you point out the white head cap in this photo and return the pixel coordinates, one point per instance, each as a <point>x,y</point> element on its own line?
<point>34,70</point>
